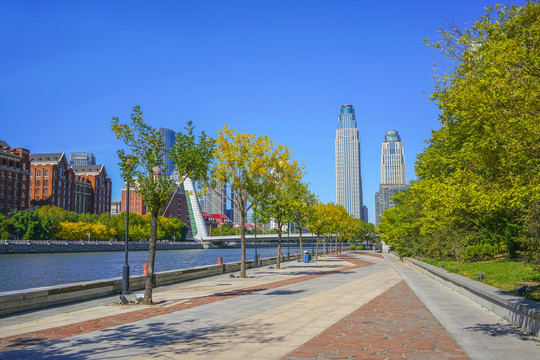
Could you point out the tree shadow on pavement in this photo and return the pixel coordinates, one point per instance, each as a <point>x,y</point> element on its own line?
<point>504,330</point>
<point>285,292</point>
<point>134,340</point>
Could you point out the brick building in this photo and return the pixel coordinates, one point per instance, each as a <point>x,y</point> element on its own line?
<point>53,182</point>
<point>14,175</point>
<point>101,186</point>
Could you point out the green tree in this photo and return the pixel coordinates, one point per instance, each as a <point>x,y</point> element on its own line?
<point>190,158</point>
<point>279,203</point>
<point>479,177</point>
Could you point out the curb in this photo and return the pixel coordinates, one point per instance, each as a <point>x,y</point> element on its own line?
<point>523,312</point>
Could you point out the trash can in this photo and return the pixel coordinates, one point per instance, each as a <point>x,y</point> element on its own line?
<point>306,257</point>
<point>309,256</point>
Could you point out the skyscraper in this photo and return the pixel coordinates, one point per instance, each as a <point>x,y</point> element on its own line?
<point>167,136</point>
<point>348,171</point>
<point>392,173</point>
<point>82,159</point>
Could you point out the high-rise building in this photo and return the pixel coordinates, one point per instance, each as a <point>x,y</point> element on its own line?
<point>82,159</point>
<point>348,170</point>
<point>168,137</point>
<point>392,173</point>
<point>214,201</point>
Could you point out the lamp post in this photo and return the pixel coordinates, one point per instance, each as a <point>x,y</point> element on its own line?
<point>255,221</point>
<point>288,241</point>
<point>127,168</point>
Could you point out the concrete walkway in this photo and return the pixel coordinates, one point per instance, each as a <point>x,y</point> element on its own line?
<point>347,307</point>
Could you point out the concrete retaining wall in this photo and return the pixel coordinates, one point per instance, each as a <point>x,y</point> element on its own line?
<point>521,311</point>
<point>31,299</point>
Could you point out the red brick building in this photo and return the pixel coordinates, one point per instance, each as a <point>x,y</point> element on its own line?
<point>53,182</point>
<point>101,186</point>
<point>14,175</point>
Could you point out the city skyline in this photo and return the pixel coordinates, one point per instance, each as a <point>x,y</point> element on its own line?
<point>69,67</point>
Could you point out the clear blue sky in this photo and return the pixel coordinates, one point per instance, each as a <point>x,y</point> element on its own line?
<point>272,67</point>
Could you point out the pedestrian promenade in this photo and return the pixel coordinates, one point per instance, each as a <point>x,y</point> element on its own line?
<point>353,306</point>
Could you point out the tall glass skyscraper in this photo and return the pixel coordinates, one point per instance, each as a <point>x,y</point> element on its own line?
<point>392,173</point>
<point>348,171</point>
<point>167,136</point>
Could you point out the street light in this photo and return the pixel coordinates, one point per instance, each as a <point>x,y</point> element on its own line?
<point>288,241</point>
<point>255,221</point>
<point>127,167</point>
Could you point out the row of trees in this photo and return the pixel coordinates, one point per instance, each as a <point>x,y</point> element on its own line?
<point>479,178</point>
<point>52,223</point>
<point>263,177</point>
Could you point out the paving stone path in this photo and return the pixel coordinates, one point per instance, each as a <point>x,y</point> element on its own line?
<point>395,325</point>
<point>83,327</point>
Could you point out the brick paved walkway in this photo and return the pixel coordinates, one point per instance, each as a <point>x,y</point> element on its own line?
<point>62,332</point>
<point>395,325</point>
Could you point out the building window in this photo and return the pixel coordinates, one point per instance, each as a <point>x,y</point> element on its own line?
<point>45,191</point>
<point>45,182</point>
<point>38,191</point>
<point>38,173</point>
<point>30,191</point>
<point>46,173</point>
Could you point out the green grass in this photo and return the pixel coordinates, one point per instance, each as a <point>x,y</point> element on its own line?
<point>503,274</point>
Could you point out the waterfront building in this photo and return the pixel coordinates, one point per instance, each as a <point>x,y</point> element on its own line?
<point>392,173</point>
<point>101,186</point>
<point>167,137</point>
<point>348,167</point>
<point>81,159</point>
<point>82,189</point>
<point>14,178</point>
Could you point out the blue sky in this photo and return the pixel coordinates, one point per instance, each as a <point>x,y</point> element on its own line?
<point>278,68</point>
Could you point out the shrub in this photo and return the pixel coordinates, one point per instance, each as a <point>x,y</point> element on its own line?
<point>479,252</point>
<point>360,247</point>
<point>352,247</point>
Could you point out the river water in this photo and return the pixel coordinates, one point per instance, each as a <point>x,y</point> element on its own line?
<point>23,271</point>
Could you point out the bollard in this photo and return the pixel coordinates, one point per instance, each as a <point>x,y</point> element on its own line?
<point>281,255</point>
<point>220,261</point>
<point>145,269</point>
<point>296,252</point>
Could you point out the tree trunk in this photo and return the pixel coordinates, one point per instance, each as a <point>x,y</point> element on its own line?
<point>336,244</point>
<point>243,246</point>
<point>278,260</point>
<point>300,240</point>
<point>324,245</point>
<point>317,247</point>
<point>151,258</point>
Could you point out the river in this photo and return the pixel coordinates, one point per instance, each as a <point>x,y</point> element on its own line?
<point>23,271</point>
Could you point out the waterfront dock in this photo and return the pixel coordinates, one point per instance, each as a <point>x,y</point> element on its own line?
<point>350,306</point>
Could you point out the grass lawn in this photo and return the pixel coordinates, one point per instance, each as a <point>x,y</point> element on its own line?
<point>503,274</point>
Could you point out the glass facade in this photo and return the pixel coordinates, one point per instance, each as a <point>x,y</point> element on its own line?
<point>167,136</point>
<point>82,159</point>
<point>348,169</point>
